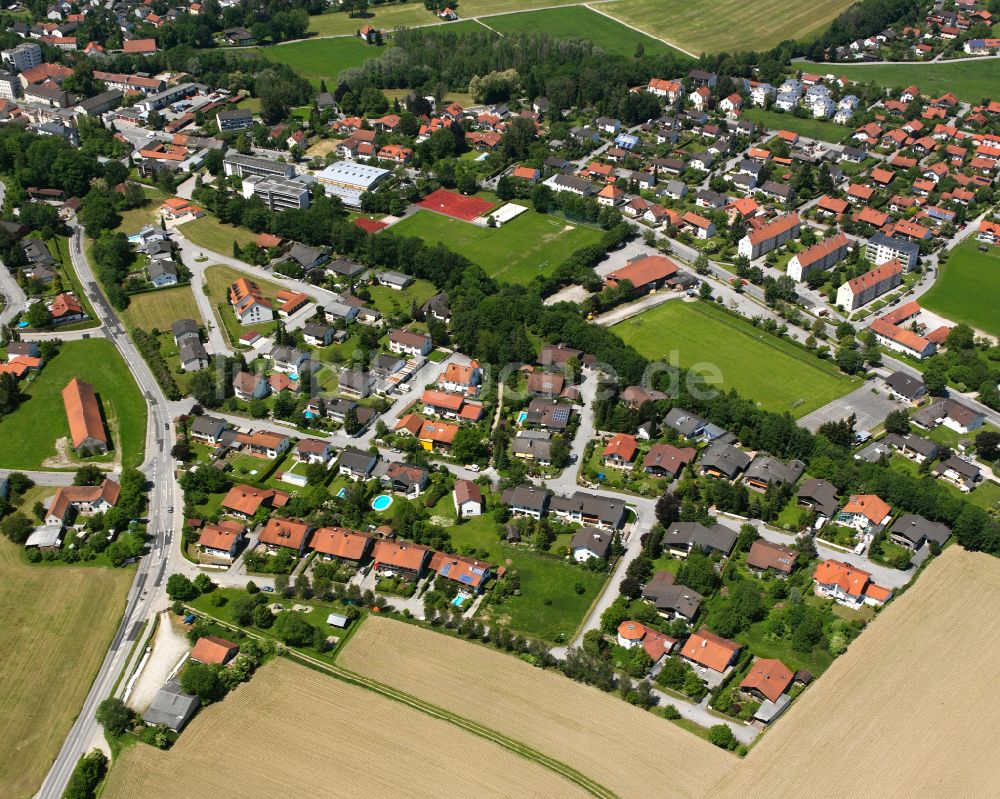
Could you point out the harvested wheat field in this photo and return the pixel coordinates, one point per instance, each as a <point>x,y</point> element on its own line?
<point>293,732</point>
<point>629,751</point>
<point>910,710</point>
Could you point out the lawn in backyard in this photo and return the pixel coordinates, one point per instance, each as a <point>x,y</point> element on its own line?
<point>389,302</point>
<point>531,244</point>
<point>811,128</point>
<point>58,623</point>
<point>715,26</point>
<point>218,279</point>
<point>210,233</point>
<point>970,80</point>
<point>29,434</point>
<point>968,287</point>
<point>778,374</point>
<point>322,59</point>
<point>549,604</point>
<point>161,308</point>
<point>580,22</point>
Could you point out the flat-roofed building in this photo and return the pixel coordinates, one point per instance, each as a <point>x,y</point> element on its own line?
<point>348,180</point>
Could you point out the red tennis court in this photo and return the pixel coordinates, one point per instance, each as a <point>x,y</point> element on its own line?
<point>369,225</point>
<point>457,205</point>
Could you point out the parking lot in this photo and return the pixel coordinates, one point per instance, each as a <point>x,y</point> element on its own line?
<point>869,408</point>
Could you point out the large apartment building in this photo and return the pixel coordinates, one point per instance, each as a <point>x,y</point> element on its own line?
<point>246,165</point>
<point>770,236</point>
<point>882,248</point>
<point>872,284</point>
<point>820,257</point>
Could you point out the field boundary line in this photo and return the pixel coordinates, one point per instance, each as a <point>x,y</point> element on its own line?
<point>589,785</point>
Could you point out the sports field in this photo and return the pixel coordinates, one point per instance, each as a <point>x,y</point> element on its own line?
<point>57,623</point>
<point>161,308</point>
<point>968,287</point>
<point>29,434</point>
<point>911,709</point>
<point>456,205</point>
<point>970,80</point>
<point>293,732</point>
<point>322,59</point>
<point>715,26</point>
<point>811,128</point>
<point>532,244</point>
<point>210,233</point>
<point>628,751</point>
<point>580,22</point>
<point>775,373</point>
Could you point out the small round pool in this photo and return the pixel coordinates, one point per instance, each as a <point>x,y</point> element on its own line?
<point>381,502</point>
<point>22,324</point>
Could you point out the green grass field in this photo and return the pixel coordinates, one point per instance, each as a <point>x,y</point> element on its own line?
<point>29,434</point>
<point>968,287</point>
<point>210,233</point>
<point>812,128</point>
<point>57,625</point>
<point>775,373</point>
<point>160,309</point>
<point>714,26</point>
<point>532,244</point>
<point>388,301</point>
<point>969,80</point>
<point>322,59</point>
<point>579,22</point>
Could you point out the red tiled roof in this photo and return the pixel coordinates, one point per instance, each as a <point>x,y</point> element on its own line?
<point>83,413</point>
<point>340,542</point>
<point>710,650</point>
<point>211,649</point>
<point>769,677</point>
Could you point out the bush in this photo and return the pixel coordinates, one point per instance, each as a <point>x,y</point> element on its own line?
<point>87,776</point>
<point>671,712</point>
<point>722,736</point>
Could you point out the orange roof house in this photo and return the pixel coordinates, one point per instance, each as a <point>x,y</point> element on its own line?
<point>401,557</point>
<point>437,434</point>
<point>848,584</point>
<point>864,510</point>
<point>144,46</point>
<point>65,306</point>
<point>339,542</point>
<point>287,533</point>
<point>86,428</point>
<point>222,538</point>
<point>645,274</point>
<point>469,573</point>
<point>244,500</point>
<point>620,450</point>
<point>82,499</point>
<point>710,651</point>
<point>211,650</point>
<point>767,679</point>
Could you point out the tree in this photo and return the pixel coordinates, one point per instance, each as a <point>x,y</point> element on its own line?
<point>293,628</point>
<point>667,509</point>
<point>38,315</point>
<point>114,716</point>
<point>468,446</point>
<point>201,681</point>
<point>180,587</point>
<point>263,617</point>
<point>87,776</point>
<point>17,527</point>
<point>936,376</point>
<point>722,736</point>
<point>243,607</point>
<point>698,573</point>
<point>897,422</point>
<point>88,475</point>
<point>705,290</point>
<point>630,588</point>
<point>988,445</point>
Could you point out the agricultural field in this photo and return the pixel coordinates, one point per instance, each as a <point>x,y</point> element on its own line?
<point>161,308</point>
<point>810,128</point>
<point>210,233</point>
<point>778,374</point>
<point>968,287</point>
<point>580,22</point>
<point>629,751</point>
<point>930,712</point>
<point>532,244</point>
<point>322,59</point>
<point>970,80</point>
<point>58,621</point>
<point>29,445</point>
<point>348,742</point>
<point>715,26</point>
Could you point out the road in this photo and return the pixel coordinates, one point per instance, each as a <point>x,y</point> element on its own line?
<point>147,593</point>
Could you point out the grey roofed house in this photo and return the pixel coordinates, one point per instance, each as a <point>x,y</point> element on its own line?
<point>905,386</point>
<point>439,307</point>
<point>597,542</point>
<point>913,443</point>
<point>912,530</point>
<point>968,472</point>
<point>779,190</point>
<point>37,252</point>
<point>590,509</point>
<point>961,414</point>
<point>556,162</point>
<point>171,707</point>
<point>317,331</point>
<point>874,452</point>
<point>393,279</point>
<point>678,600</point>
<point>709,198</point>
<point>526,497</point>
<point>193,355</point>
<point>356,381</point>
<point>692,536</point>
<point>724,459</point>
<point>161,266</point>
<point>156,247</point>
<point>340,310</point>
<point>387,364</point>
<point>767,471</point>
<point>548,414</point>
<point>684,422</point>
<point>46,536</point>
<point>345,267</point>
<point>573,183</point>
<point>25,348</point>
<point>325,100</point>
<point>820,496</point>
<point>292,356</point>
<point>357,462</point>
<point>208,427</point>
<point>657,584</point>
<point>539,449</point>
<point>305,256</point>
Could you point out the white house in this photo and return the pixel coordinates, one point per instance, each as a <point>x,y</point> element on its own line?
<point>468,499</point>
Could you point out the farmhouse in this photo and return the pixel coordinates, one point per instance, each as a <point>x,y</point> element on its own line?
<point>84,500</point>
<point>848,585</point>
<point>86,428</point>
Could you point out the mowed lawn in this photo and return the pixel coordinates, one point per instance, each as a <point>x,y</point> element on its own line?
<point>29,434</point>
<point>532,244</point>
<point>322,59</point>
<point>715,26</point>
<point>210,233</point>
<point>775,373</point>
<point>161,308</point>
<point>57,623</point>
<point>811,128</point>
<point>579,22</point>
<point>968,288</point>
<point>970,80</point>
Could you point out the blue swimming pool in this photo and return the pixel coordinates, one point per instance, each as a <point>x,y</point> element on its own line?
<point>22,324</point>
<point>308,414</point>
<point>381,502</point>
<point>293,376</point>
<point>458,601</point>
<point>342,493</point>
<point>521,417</point>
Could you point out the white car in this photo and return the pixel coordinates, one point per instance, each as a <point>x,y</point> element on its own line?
<point>472,467</point>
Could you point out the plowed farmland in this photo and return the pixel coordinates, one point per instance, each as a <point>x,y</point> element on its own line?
<point>911,710</point>
<point>627,750</point>
<point>292,733</point>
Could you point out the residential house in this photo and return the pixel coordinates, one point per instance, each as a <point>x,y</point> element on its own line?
<point>666,460</point>
<point>208,430</point>
<point>222,540</point>
<point>591,510</point>
<point>400,559</point>
<point>904,387</point>
<point>848,585</point>
<point>355,383</point>
<point>314,450</point>
<point>671,599</point>
<point>683,538</point>
<point>342,544</point>
<point>767,680</point>
<point>952,414</point>
<point>912,531</point>
<point>69,501</point>
<point>864,512</point>
<point>281,533</point>
<point>589,542</point>
<point>243,501</point>
<point>407,343</point>
<point>356,464</point>
<point>620,451</point>
<point>723,458</point>
<point>766,556</point>
<point>471,575</point>
<point>403,478</point>
<point>684,422</point>
<point>264,443</point>
<point>527,500</point>
<point>710,654</point>
<point>247,386</point>
<point>959,472</point>
<point>766,471</point>
<point>468,499</point>
<point>437,435</point>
